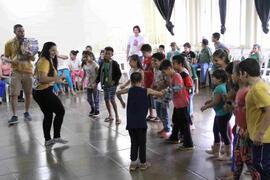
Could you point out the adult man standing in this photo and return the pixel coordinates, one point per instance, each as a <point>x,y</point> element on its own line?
<point>21,76</point>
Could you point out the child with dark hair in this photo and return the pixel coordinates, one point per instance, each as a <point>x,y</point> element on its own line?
<point>64,71</point>
<point>137,106</point>
<point>109,75</point>
<point>148,77</point>
<point>161,49</point>
<point>218,44</point>
<point>101,57</point>
<point>257,115</point>
<point>205,57</point>
<point>76,70</point>
<point>242,146</point>
<point>135,43</point>
<point>174,51</point>
<point>191,56</point>
<point>135,66</point>
<point>222,117</point>
<point>90,74</point>
<point>161,82</point>
<point>179,64</point>
<point>180,117</point>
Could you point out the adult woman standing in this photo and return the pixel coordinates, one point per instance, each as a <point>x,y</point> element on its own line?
<point>49,103</point>
<point>135,43</point>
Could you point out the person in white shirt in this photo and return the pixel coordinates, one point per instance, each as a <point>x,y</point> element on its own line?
<point>135,43</point>
<point>63,70</point>
<point>76,70</point>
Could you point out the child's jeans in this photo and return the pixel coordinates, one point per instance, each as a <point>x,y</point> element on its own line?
<point>203,73</point>
<point>2,88</point>
<point>162,112</point>
<point>138,144</point>
<point>93,98</point>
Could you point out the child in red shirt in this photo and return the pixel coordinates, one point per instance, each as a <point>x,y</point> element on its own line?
<point>148,77</point>
<point>180,112</point>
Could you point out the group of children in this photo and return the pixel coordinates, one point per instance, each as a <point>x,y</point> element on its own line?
<point>237,89</point>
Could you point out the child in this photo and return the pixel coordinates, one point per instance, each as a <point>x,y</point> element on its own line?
<point>173,52</point>
<point>161,82</point>
<point>136,66</point>
<point>222,117</point>
<point>63,71</point>
<point>101,57</point>
<point>243,145</point>
<point>109,75</point>
<point>191,56</point>
<point>161,49</point>
<point>179,64</point>
<point>90,73</point>
<point>204,61</point>
<point>180,112</point>
<point>75,69</point>
<point>217,43</point>
<point>148,77</point>
<point>256,53</point>
<point>257,115</point>
<point>137,106</point>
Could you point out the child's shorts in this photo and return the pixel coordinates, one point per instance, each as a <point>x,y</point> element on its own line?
<point>109,93</point>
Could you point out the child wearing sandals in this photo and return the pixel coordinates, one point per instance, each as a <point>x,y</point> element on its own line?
<point>109,74</point>
<point>137,106</point>
<point>148,77</point>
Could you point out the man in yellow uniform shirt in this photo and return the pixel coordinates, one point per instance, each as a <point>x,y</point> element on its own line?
<point>21,76</point>
<point>257,115</point>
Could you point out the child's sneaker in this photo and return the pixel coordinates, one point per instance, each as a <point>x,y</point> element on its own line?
<point>165,135</point>
<point>184,148</point>
<point>92,112</point>
<point>144,166</point>
<point>160,132</point>
<point>60,140</point>
<point>133,166</point>
<point>49,143</point>
<point>96,114</point>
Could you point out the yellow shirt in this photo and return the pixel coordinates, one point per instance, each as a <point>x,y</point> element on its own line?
<point>43,65</point>
<point>13,51</point>
<point>257,98</point>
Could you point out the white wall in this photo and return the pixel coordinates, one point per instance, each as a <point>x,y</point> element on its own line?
<point>72,24</point>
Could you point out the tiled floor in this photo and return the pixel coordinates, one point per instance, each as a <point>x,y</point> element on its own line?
<point>98,150</point>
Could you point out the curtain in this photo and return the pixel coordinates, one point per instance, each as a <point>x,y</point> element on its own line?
<point>263,10</point>
<point>165,8</point>
<point>222,11</point>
